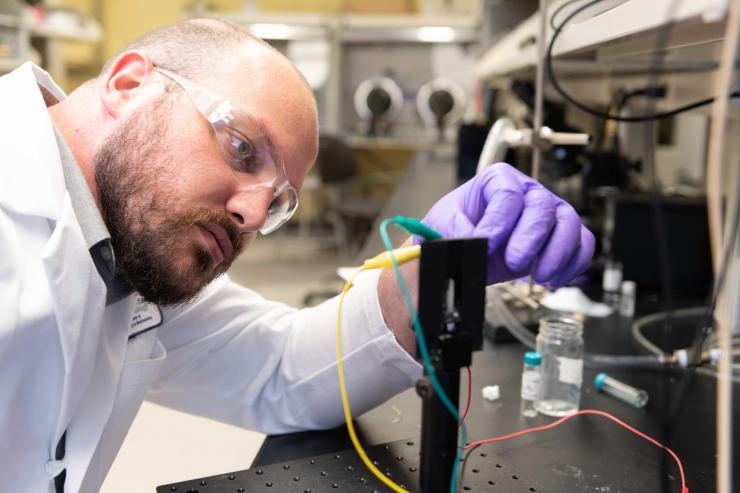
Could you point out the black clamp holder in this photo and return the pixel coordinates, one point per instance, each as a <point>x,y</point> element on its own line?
<point>452,281</point>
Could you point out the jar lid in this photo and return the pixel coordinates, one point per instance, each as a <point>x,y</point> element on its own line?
<point>532,358</point>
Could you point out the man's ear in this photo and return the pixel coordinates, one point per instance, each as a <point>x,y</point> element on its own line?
<point>125,80</point>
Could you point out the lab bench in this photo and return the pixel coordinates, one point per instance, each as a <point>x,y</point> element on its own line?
<point>587,453</point>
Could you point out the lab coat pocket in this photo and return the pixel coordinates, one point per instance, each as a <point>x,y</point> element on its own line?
<point>143,371</point>
<point>136,378</point>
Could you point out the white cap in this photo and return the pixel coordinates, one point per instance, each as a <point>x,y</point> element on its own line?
<point>628,287</point>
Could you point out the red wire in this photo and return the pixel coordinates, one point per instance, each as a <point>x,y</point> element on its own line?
<point>684,489</point>
<point>467,404</point>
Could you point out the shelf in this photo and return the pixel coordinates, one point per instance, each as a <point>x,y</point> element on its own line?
<point>453,28</point>
<point>621,37</point>
<point>79,36</point>
<point>420,143</point>
<point>356,28</point>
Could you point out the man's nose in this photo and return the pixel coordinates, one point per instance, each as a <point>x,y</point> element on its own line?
<point>247,209</point>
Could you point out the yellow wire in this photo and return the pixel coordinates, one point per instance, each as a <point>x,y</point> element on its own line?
<point>385,259</point>
<point>345,400</point>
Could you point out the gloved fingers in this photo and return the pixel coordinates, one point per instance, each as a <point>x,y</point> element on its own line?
<point>498,271</point>
<point>560,247</point>
<point>499,218</point>
<point>493,189</point>
<point>460,226</point>
<point>506,176</point>
<point>491,195</point>
<point>457,226</point>
<point>532,230</point>
<point>579,261</point>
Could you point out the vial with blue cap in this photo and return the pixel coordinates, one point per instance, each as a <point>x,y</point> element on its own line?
<point>530,383</point>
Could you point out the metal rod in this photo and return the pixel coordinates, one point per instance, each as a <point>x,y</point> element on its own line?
<point>539,91</point>
<point>538,98</point>
<point>714,201</point>
<point>439,436</point>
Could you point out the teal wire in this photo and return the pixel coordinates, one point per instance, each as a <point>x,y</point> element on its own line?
<point>424,350</point>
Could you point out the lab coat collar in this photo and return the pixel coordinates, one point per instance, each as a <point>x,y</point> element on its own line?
<point>30,157</point>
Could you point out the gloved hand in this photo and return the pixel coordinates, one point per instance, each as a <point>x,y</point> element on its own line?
<point>530,230</point>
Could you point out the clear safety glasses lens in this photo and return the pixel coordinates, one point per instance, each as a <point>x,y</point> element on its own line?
<point>281,208</point>
<point>242,141</point>
<point>246,149</point>
<point>244,146</point>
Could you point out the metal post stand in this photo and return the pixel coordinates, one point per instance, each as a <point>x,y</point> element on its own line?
<point>452,279</point>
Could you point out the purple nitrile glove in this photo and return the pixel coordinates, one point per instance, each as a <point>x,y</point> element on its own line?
<point>530,230</point>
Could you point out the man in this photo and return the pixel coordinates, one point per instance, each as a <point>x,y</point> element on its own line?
<point>122,205</point>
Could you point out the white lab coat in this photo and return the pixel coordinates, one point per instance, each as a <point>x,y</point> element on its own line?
<point>66,360</point>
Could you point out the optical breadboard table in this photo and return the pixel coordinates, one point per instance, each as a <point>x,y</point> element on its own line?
<point>345,472</point>
<point>587,453</point>
<point>510,469</point>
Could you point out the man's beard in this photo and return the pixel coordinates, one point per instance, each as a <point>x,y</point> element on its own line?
<point>138,208</point>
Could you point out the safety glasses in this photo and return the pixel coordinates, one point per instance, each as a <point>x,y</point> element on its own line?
<point>248,151</point>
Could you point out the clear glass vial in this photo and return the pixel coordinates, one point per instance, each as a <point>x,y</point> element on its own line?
<point>611,282</point>
<point>626,393</point>
<point>627,300</point>
<point>530,383</point>
<point>560,343</point>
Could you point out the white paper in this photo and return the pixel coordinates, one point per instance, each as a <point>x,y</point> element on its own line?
<point>530,385</point>
<point>570,370</point>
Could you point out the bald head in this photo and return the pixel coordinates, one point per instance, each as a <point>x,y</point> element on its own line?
<point>193,47</point>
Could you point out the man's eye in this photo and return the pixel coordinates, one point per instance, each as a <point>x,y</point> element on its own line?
<point>243,151</point>
<point>242,147</point>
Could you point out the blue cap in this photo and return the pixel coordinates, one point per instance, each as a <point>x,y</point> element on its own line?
<point>532,358</point>
<point>599,380</point>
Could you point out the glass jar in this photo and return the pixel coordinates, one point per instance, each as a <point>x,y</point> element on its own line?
<point>560,343</point>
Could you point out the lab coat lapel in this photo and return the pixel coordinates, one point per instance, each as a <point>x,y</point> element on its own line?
<point>31,162</point>
<point>78,300</point>
<point>94,330</point>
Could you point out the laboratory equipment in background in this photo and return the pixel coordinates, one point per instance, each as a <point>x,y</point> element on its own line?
<point>530,383</point>
<point>627,298</point>
<point>378,102</point>
<point>13,42</point>
<point>635,243</point>
<point>505,135</point>
<point>441,104</point>
<point>625,393</point>
<point>560,343</point>
<point>351,216</point>
<point>611,282</point>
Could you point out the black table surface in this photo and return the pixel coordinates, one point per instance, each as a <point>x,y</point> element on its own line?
<point>588,453</point>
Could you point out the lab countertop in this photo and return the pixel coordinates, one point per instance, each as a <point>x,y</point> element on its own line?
<point>588,453</point>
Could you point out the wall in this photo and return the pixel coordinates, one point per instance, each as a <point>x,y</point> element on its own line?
<point>124,21</point>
